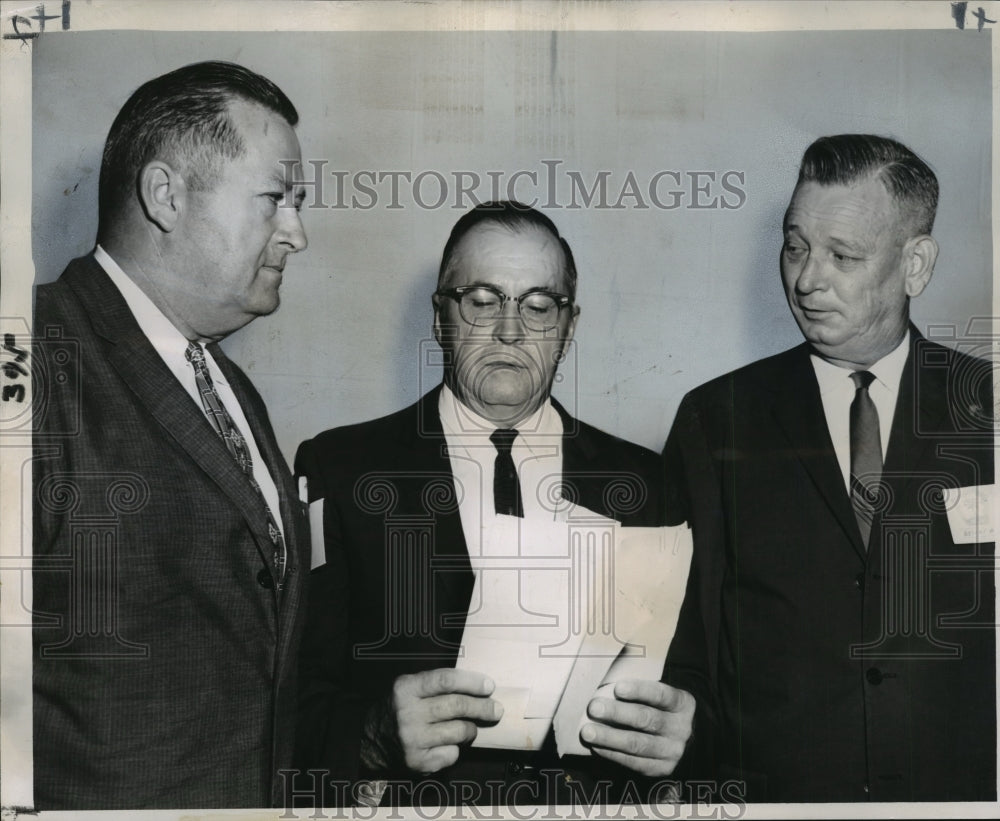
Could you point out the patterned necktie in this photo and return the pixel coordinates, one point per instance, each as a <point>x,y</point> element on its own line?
<point>866,453</point>
<point>506,488</point>
<point>235,444</point>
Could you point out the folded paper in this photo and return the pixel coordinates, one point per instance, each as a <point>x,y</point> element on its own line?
<point>561,606</point>
<point>317,544</point>
<point>971,513</point>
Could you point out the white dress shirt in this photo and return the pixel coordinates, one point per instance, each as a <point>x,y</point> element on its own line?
<point>530,596</point>
<point>171,345</point>
<point>537,455</point>
<point>837,390</point>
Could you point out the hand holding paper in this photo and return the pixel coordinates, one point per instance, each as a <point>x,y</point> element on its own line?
<point>568,607</point>
<point>644,725</point>
<point>429,714</point>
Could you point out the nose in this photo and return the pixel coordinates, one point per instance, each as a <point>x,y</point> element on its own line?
<point>508,327</point>
<point>290,232</point>
<point>810,277</point>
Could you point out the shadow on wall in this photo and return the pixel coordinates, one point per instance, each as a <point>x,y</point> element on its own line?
<point>418,367</point>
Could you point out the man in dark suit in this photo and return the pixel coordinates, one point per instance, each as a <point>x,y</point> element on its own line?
<point>169,542</point>
<point>849,626</point>
<point>405,498</point>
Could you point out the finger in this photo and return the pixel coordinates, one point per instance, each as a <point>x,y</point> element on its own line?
<point>430,761</point>
<point>632,744</point>
<point>443,680</point>
<point>454,705</point>
<point>653,767</point>
<point>655,694</point>
<point>418,738</point>
<point>633,716</point>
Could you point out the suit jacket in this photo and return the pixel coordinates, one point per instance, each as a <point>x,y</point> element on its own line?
<point>839,673</point>
<point>164,659</point>
<point>394,593</point>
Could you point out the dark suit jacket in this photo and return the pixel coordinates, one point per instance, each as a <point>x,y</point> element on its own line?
<point>840,673</point>
<point>394,592</point>
<point>164,660</point>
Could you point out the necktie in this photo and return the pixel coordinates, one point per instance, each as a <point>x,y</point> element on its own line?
<point>506,488</point>
<point>235,444</point>
<point>866,453</point>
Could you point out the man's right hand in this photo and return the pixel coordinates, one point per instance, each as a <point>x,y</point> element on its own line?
<point>426,717</point>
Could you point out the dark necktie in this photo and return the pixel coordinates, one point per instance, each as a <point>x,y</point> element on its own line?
<point>866,453</point>
<point>506,488</point>
<point>235,444</point>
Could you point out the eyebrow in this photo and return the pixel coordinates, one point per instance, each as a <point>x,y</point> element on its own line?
<point>282,180</point>
<point>481,284</point>
<point>841,240</point>
<point>855,245</point>
<point>852,245</point>
<point>492,287</point>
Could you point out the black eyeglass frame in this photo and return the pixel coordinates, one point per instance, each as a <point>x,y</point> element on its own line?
<point>561,300</point>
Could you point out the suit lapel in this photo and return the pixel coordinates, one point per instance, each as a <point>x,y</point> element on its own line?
<point>921,405</point>
<point>132,355</point>
<point>798,411</point>
<point>578,468</point>
<point>423,438</point>
<point>292,515</point>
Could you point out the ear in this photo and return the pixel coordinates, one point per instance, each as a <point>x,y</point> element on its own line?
<point>162,193</point>
<point>919,255</point>
<point>436,302</point>
<point>572,323</point>
<point>570,330</point>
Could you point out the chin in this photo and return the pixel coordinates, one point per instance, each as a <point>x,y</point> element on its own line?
<point>503,400</point>
<point>267,304</point>
<point>505,409</point>
<point>505,388</point>
<point>819,335</point>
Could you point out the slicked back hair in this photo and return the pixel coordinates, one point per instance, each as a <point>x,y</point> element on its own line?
<point>514,216</point>
<point>182,117</point>
<point>846,159</point>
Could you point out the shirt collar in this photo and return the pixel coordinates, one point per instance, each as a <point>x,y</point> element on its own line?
<point>162,334</point>
<point>463,425</point>
<point>888,371</point>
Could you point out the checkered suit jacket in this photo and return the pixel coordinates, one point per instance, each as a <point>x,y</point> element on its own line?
<point>164,657</point>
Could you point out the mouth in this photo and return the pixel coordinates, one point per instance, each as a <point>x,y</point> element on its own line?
<point>497,364</point>
<point>814,314</point>
<point>497,367</point>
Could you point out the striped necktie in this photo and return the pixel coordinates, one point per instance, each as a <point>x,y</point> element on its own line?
<point>866,453</point>
<point>223,424</point>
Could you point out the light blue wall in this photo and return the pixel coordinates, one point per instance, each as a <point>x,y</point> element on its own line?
<point>669,298</point>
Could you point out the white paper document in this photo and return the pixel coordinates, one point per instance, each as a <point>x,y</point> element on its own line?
<point>317,543</point>
<point>971,513</point>
<point>561,607</point>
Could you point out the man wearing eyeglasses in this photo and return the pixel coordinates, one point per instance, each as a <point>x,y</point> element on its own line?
<point>404,501</point>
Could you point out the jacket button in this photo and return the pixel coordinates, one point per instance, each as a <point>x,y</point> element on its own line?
<point>859,581</point>
<point>264,578</point>
<point>874,676</point>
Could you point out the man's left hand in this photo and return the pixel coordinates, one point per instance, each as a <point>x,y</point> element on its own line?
<point>645,727</point>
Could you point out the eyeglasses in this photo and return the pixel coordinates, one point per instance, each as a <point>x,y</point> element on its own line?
<point>483,304</point>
